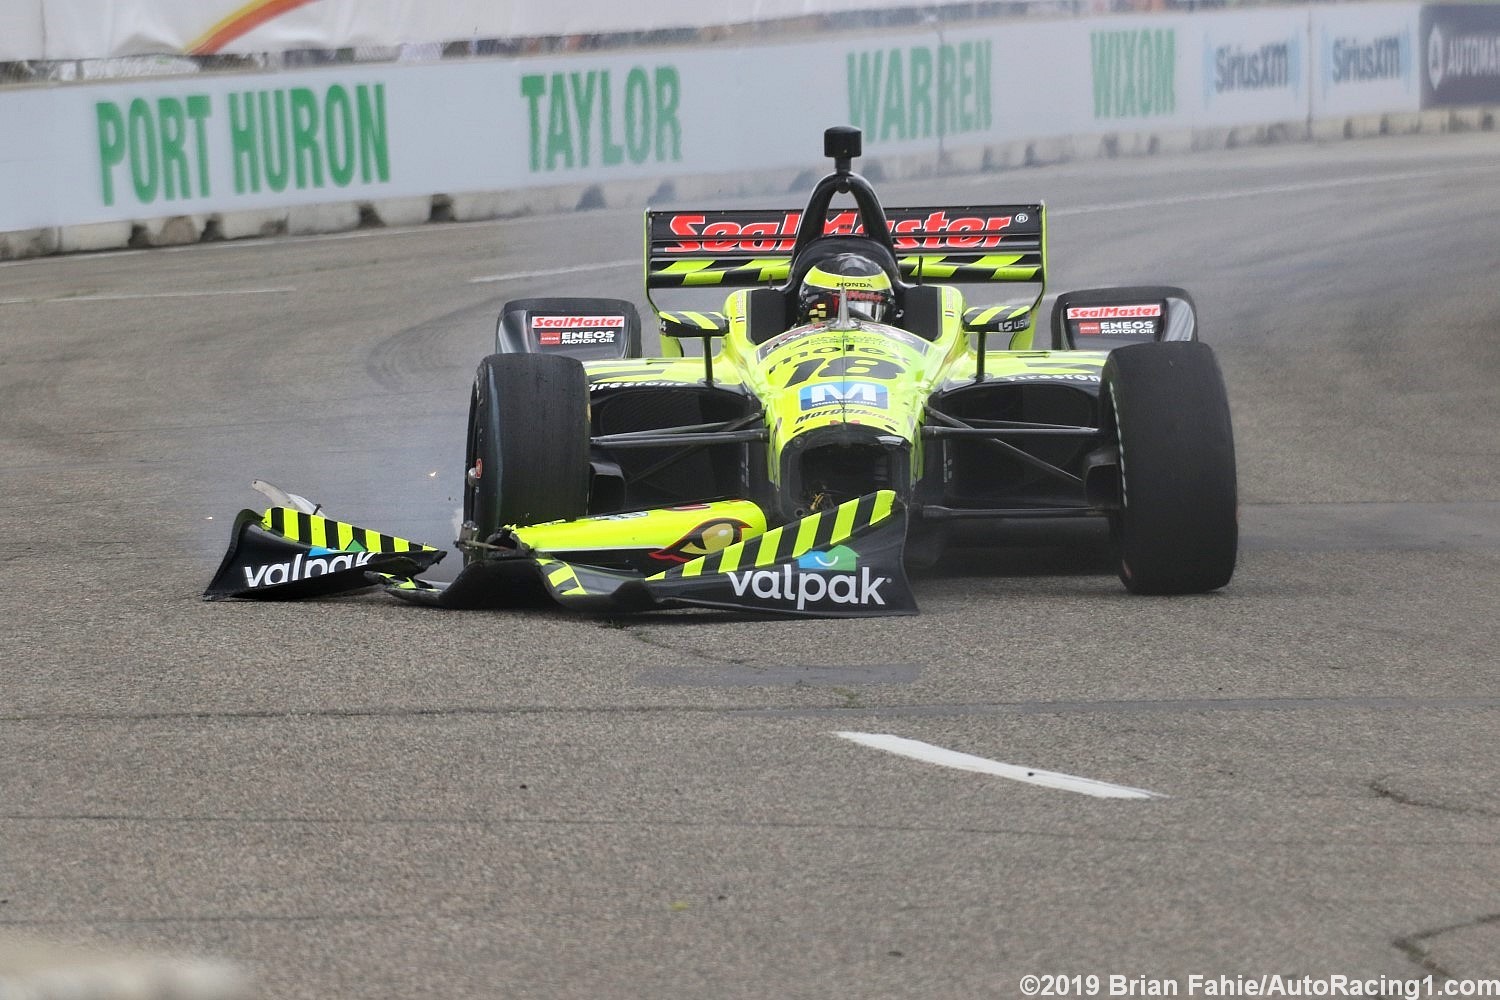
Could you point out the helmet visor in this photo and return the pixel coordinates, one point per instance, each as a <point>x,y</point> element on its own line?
<point>867,303</point>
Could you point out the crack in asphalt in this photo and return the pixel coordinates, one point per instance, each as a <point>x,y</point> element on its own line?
<point>1411,944</point>
<point>937,709</point>
<point>488,911</point>
<point>1384,791</point>
<point>256,918</point>
<point>639,634</point>
<point>881,829</point>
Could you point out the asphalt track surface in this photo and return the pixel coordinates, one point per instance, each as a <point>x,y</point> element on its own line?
<point>357,798</point>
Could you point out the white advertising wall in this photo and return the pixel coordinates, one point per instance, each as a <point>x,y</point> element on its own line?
<point>1365,59</point>
<point>1252,67</point>
<point>124,150</point>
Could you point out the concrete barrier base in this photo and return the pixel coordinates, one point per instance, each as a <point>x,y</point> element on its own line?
<point>246,225</point>
<point>398,211</point>
<point>29,243</point>
<point>95,236</point>
<point>174,231</point>
<point>337,217</point>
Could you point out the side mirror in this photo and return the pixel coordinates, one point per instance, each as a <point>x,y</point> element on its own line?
<point>706,325</point>
<point>694,324</point>
<point>1008,317</point>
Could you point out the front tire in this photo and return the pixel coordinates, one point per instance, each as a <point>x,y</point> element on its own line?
<point>528,451</point>
<point>1177,527</point>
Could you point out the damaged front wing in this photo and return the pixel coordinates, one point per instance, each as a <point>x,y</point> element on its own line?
<point>841,562</point>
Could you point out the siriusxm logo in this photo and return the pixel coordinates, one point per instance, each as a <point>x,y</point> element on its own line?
<point>833,576</point>
<point>1355,60</point>
<point>1237,68</point>
<point>828,393</point>
<point>1266,68</point>
<point>318,562</point>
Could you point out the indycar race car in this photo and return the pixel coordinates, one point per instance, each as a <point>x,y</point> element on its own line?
<point>847,409</point>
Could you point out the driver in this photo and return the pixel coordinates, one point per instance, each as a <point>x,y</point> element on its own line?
<point>865,282</point>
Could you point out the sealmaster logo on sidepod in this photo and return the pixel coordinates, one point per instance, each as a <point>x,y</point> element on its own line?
<point>1113,312</point>
<point>316,563</point>
<point>834,576</point>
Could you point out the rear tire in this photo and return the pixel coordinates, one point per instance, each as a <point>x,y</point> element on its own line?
<point>528,452</point>
<point>1177,528</point>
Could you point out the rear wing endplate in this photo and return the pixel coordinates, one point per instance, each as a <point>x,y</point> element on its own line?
<point>743,248</point>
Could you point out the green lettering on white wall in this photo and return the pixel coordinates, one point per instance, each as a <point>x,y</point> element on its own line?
<point>574,120</point>
<point>162,145</point>
<point>307,139</point>
<point>921,91</point>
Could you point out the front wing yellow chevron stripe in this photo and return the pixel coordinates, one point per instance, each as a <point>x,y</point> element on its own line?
<point>826,528</point>
<point>561,576</point>
<point>583,586</point>
<point>405,583</point>
<point>326,533</point>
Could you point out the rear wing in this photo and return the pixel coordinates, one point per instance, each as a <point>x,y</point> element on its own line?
<point>743,248</point>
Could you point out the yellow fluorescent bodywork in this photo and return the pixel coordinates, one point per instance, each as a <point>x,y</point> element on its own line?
<point>791,540</point>
<point>690,531</point>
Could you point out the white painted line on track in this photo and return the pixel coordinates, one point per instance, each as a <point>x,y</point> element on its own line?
<point>124,296</point>
<point>517,275</point>
<point>917,750</point>
<point>82,255</point>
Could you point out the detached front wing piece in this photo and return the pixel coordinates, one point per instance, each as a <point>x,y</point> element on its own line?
<point>286,554</point>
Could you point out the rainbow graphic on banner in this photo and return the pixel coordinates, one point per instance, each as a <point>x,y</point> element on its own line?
<point>246,19</point>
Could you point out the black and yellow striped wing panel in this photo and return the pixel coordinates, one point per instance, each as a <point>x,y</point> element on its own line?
<point>339,536</point>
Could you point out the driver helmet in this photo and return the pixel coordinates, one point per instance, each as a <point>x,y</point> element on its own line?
<point>865,282</point>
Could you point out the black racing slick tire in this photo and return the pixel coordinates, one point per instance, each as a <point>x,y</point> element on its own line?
<point>1176,530</point>
<point>528,452</point>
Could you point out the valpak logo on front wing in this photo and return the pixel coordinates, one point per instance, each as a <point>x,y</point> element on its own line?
<point>319,562</point>
<point>1114,312</point>
<point>832,577</point>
